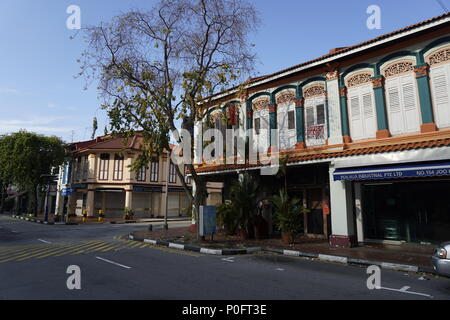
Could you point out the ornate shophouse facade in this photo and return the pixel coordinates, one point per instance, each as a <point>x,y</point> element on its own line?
<point>98,177</point>
<point>367,131</point>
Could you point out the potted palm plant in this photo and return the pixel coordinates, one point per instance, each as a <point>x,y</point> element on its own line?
<point>286,216</point>
<point>243,197</point>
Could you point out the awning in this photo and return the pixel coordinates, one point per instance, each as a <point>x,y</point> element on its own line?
<point>393,172</point>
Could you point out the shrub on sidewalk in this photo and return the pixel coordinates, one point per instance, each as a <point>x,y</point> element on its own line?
<point>227,217</point>
<point>128,213</point>
<point>287,215</point>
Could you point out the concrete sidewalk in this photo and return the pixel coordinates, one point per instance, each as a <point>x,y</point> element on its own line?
<point>94,220</point>
<point>406,257</point>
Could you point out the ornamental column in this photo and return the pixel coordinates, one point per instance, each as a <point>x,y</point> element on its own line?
<point>249,115</point>
<point>334,109</point>
<point>342,217</point>
<point>90,201</point>
<point>344,115</point>
<point>273,136</point>
<point>423,84</point>
<point>300,122</point>
<point>380,103</point>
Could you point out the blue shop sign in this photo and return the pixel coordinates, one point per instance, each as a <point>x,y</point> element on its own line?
<point>393,172</point>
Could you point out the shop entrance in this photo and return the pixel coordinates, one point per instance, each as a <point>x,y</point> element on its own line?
<point>407,211</point>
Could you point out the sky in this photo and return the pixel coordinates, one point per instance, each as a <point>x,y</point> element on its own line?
<point>38,90</point>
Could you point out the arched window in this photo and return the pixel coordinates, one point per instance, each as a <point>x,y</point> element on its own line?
<point>315,114</point>
<point>439,61</point>
<point>361,102</point>
<point>286,119</point>
<point>401,96</point>
<point>261,123</point>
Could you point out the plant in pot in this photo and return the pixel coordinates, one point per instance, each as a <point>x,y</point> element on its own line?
<point>286,216</point>
<point>128,213</point>
<point>243,197</point>
<point>227,218</point>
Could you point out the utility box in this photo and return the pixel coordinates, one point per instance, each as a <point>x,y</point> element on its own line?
<point>207,220</point>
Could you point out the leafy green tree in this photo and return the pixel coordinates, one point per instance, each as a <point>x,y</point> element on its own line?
<point>25,157</point>
<point>6,168</point>
<point>155,68</point>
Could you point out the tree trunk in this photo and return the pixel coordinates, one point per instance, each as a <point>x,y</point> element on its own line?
<point>199,199</point>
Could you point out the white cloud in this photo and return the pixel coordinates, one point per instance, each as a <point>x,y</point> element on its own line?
<point>51,105</point>
<point>36,124</point>
<point>9,91</point>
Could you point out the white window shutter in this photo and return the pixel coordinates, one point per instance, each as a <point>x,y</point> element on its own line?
<point>410,106</point>
<point>356,127</point>
<point>369,114</point>
<point>396,122</point>
<point>441,90</point>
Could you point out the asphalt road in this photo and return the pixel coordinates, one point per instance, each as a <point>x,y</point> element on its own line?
<point>34,259</point>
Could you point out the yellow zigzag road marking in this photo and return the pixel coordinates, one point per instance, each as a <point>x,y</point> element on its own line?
<point>37,253</point>
<point>67,250</point>
<point>21,249</point>
<point>22,253</point>
<point>83,249</point>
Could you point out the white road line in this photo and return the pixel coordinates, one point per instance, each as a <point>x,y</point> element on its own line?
<point>43,241</point>
<point>405,290</point>
<point>114,263</point>
<point>229,259</point>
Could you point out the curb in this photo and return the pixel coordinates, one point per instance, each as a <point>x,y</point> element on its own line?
<point>216,252</point>
<point>33,220</point>
<point>291,253</point>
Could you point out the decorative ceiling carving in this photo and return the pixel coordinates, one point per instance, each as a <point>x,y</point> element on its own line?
<point>314,91</point>
<point>359,79</point>
<point>442,56</point>
<point>398,68</point>
<point>285,97</point>
<point>261,103</point>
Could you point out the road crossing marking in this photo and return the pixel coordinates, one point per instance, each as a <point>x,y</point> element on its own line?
<point>44,250</point>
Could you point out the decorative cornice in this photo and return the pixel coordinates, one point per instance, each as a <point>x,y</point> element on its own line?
<point>273,108</point>
<point>300,103</point>
<point>333,75</point>
<point>422,70</point>
<point>378,82</point>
